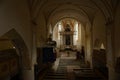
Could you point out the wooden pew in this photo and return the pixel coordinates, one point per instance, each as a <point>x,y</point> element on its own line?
<point>86,74</point>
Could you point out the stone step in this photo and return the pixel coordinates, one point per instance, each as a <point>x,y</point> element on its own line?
<point>55,77</point>
<point>55,74</point>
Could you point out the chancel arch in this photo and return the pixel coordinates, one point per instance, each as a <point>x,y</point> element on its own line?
<point>67,33</point>
<point>17,44</point>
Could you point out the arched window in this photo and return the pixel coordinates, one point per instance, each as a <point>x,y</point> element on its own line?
<point>59,29</point>
<point>76,33</point>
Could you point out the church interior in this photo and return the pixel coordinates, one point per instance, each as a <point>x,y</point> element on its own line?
<point>59,40</point>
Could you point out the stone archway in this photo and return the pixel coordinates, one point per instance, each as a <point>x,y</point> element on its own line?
<point>20,47</point>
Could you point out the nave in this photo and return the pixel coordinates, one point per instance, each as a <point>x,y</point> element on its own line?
<point>26,26</point>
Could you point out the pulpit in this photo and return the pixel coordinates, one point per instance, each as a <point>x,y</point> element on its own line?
<point>48,54</point>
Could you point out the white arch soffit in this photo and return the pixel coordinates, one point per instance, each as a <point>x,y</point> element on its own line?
<point>68,14</point>
<point>69,11</point>
<point>82,24</point>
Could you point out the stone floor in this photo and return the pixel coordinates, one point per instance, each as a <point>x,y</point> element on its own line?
<point>63,67</point>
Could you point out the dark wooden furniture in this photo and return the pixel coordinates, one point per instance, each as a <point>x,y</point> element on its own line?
<point>86,74</point>
<point>9,64</point>
<point>99,63</point>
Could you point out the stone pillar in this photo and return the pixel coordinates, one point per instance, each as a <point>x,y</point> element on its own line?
<point>34,44</point>
<point>28,74</point>
<point>110,51</point>
<point>110,55</point>
<point>34,54</point>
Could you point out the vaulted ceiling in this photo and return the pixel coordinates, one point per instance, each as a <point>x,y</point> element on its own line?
<point>81,10</point>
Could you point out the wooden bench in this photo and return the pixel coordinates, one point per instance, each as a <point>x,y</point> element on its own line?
<point>86,74</point>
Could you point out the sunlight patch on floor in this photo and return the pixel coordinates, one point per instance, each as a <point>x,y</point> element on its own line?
<point>56,64</point>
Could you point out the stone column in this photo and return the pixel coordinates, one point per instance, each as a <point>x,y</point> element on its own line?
<point>27,70</point>
<point>28,74</point>
<point>34,54</point>
<point>110,51</point>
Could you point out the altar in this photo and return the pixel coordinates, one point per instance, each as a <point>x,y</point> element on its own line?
<point>66,38</point>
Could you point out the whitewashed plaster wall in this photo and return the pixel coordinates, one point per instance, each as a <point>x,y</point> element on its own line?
<point>117,32</point>
<point>99,30</point>
<point>79,37</point>
<point>55,36</point>
<point>82,35</point>
<point>41,30</point>
<point>88,45</point>
<point>15,14</point>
